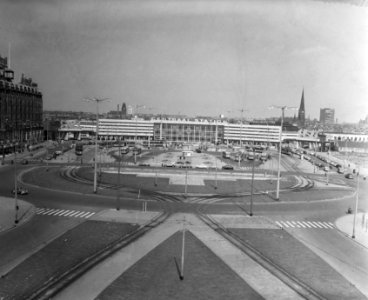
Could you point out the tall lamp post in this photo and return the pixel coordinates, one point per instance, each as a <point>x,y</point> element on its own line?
<point>15,188</point>
<point>283,108</point>
<point>97,101</point>
<point>356,203</point>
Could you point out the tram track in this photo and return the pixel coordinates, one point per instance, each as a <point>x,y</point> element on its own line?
<point>293,282</point>
<point>56,283</point>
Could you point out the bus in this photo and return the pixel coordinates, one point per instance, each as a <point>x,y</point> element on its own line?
<point>79,149</point>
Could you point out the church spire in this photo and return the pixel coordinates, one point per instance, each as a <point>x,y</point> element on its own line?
<point>301,113</point>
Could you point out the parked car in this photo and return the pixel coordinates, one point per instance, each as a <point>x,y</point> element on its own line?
<point>24,162</point>
<point>340,170</point>
<point>20,191</point>
<point>227,167</point>
<point>201,166</point>
<point>326,168</point>
<point>349,176</point>
<point>168,164</point>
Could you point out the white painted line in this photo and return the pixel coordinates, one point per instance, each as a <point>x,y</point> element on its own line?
<point>83,215</point>
<point>311,224</point>
<point>52,211</point>
<point>315,223</point>
<point>60,212</point>
<point>284,223</point>
<point>279,224</point>
<point>328,225</point>
<point>46,211</point>
<point>73,214</point>
<point>89,215</point>
<point>40,210</point>
<point>65,212</point>
<point>333,225</point>
<point>295,224</point>
<point>78,215</point>
<point>69,213</point>
<point>290,224</point>
<point>306,224</point>
<point>301,224</point>
<point>323,225</point>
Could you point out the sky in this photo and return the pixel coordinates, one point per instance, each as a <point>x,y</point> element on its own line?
<point>193,57</point>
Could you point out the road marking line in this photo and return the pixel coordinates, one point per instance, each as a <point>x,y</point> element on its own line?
<point>323,225</point>
<point>328,225</point>
<point>295,224</point>
<point>290,224</point>
<point>284,224</point>
<point>306,224</point>
<point>315,223</point>
<point>39,210</point>
<point>84,214</point>
<point>301,224</point>
<point>78,215</point>
<point>331,224</point>
<point>65,212</point>
<point>74,214</point>
<point>69,213</point>
<point>52,211</point>
<point>278,224</point>
<point>60,212</point>
<point>311,224</point>
<point>89,215</point>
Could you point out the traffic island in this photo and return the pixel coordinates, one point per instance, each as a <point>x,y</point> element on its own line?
<point>157,275</point>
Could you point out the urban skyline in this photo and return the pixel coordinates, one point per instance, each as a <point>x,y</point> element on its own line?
<point>209,59</point>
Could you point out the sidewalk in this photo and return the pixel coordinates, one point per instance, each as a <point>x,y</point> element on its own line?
<point>7,213</point>
<point>345,224</point>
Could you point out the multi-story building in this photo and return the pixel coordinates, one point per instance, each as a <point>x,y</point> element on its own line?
<point>174,131</point>
<point>327,116</point>
<point>21,107</point>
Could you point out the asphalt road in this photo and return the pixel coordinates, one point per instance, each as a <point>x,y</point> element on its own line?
<point>340,251</point>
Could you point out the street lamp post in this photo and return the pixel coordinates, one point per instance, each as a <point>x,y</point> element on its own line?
<point>118,187</point>
<point>251,191</point>
<point>356,203</point>
<point>15,188</point>
<point>283,108</point>
<point>97,101</point>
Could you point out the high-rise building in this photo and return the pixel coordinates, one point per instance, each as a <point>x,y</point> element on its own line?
<point>21,107</point>
<point>301,113</point>
<point>327,116</point>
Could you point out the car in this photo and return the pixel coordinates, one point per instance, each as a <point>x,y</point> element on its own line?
<point>144,164</point>
<point>340,170</point>
<point>201,166</point>
<point>349,176</point>
<point>227,167</point>
<point>24,162</point>
<point>168,164</point>
<point>326,168</point>
<point>20,191</point>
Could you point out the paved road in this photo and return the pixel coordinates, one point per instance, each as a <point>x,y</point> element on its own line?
<point>59,207</point>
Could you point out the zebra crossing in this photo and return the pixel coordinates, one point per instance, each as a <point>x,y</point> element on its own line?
<point>64,213</point>
<point>305,224</point>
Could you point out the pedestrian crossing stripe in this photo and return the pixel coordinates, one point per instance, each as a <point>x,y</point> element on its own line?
<point>305,224</point>
<point>64,213</point>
